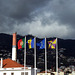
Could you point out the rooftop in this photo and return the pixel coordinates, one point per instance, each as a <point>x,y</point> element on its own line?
<point>8,63</point>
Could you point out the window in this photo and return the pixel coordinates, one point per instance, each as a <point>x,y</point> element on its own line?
<point>12,73</point>
<point>26,73</point>
<point>22,73</point>
<point>4,73</point>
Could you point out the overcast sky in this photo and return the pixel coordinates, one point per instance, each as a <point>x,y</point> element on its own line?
<point>42,18</point>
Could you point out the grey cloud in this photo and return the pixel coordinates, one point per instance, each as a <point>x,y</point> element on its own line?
<point>64,11</point>
<point>14,12</point>
<point>19,9</point>
<point>6,23</point>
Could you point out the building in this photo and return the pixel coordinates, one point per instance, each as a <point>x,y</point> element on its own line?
<point>50,73</point>
<point>10,67</point>
<point>43,73</point>
<point>73,72</point>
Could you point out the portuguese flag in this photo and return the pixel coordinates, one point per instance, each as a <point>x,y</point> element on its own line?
<point>21,43</point>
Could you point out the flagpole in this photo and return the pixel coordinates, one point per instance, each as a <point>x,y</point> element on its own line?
<point>45,58</point>
<point>56,56</point>
<point>35,56</point>
<point>25,56</point>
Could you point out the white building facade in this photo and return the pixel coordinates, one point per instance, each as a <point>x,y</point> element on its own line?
<point>10,67</point>
<point>15,71</point>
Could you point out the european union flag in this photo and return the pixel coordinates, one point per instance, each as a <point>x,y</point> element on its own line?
<point>30,43</point>
<point>41,44</point>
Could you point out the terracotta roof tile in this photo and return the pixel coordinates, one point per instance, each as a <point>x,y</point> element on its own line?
<point>8,63</point>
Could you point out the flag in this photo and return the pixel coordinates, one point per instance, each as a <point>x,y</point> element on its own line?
<point>21,43</point>
<point>30,43</point>
<point>41,44</point>
<point>52,44</point>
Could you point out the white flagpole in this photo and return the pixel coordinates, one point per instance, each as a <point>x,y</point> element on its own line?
<point>35,56</point>
<point>45,58</point>
<point>25,56</point>
<point>56,57</point>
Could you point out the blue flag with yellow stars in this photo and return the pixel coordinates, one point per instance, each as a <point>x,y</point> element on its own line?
<point>41,44</point>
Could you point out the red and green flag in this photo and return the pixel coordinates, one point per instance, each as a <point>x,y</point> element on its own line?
<point>21,43</point>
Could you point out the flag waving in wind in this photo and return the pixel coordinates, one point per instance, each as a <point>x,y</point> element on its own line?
<point>41,44</point>
<point>21,43</point>
<point>30,43</point>
<point>52,44</point>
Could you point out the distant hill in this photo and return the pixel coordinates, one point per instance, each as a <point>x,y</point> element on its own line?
<point>66,49</point>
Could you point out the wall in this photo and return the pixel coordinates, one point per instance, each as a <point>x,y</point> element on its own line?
<point>43,74</point>
<point>15,71</point>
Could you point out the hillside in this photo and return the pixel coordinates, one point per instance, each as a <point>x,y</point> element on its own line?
<point>66,49</point>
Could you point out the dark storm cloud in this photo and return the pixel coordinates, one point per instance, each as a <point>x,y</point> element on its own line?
<point>64,11</point>
<point>17,11</point>
<point>51,17</point>
<point>6,24</point>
